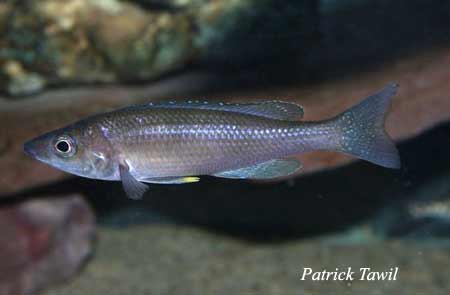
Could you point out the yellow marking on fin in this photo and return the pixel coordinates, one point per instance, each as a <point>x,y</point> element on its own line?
<point>189,179</point>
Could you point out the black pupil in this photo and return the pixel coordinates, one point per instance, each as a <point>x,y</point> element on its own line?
<point>63,146</point>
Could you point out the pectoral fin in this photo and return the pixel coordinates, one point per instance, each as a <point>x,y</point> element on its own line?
<point>267,170</point>
<point>132,187</point>
<point>172,180</point>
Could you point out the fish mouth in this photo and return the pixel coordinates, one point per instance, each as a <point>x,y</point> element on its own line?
<point>35,149</point>
<point>29,149</point>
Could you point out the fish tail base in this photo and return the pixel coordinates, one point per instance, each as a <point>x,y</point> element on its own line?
<point>362,130</point>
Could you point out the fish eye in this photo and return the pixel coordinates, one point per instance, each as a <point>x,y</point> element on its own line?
<point>65,146</point>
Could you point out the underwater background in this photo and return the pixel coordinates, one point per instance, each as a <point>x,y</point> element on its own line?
<point>62,60</point>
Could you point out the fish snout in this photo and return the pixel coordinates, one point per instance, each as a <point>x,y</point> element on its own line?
<point>36,149</point>
<point>30,149</point>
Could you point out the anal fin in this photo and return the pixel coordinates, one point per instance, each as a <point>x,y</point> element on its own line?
<point>267,170</point>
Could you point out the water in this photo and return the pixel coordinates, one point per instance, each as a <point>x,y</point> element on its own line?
<point>229,236</point>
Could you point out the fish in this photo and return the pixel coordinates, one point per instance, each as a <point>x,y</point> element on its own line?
<point>177,142</point>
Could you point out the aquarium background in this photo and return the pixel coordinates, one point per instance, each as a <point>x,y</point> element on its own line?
<point>63,60</point>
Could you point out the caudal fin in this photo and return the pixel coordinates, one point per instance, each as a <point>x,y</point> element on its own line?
<point>362,130</point>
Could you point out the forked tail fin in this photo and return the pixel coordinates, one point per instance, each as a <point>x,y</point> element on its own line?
<point>362,130</point>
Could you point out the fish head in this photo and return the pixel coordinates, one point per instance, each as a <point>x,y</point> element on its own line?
<point>76,149</point>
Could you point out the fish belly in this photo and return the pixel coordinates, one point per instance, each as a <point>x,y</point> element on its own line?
<point>198,155</point>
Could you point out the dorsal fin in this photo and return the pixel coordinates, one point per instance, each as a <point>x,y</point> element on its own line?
<point>270,109</point>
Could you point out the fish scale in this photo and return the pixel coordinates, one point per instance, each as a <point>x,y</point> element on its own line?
<point>192,142</point>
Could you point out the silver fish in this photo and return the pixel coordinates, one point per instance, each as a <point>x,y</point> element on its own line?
<point>174,142</point>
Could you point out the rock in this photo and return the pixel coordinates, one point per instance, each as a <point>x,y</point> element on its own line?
<point>146,258</point>
<point>87,41</point>
<point>22,82</point>
<point>80,41</point>
<point>43,242</point>
<point>422,102</point>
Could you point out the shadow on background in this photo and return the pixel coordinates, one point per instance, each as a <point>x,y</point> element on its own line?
<point>304,42</point>
<point>309,205</point>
